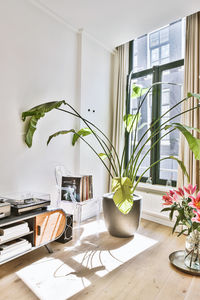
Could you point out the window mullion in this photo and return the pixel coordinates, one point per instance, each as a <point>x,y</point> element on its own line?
<point>156,100</point>
<point>158,114</point>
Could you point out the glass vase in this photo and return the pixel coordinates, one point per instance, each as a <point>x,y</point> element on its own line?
<point>192,250</point>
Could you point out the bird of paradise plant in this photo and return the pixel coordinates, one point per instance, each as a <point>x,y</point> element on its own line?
<point>123,175</point>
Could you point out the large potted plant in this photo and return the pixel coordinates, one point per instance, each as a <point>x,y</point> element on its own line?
<point>121,207</point>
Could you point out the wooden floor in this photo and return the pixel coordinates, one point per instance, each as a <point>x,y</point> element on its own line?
<point>99,266</point>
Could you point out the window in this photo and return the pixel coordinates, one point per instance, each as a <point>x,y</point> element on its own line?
<point>158,57</point>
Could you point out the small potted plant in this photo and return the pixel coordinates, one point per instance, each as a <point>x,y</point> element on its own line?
<point>185,206</point>
<point>121,207</point>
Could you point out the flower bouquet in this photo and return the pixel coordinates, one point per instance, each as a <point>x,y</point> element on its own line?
<point>186,207</point>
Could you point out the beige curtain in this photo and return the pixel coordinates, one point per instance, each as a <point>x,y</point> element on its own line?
<point>191,84</point>
<point>119,96</point>
<point>121,59</point>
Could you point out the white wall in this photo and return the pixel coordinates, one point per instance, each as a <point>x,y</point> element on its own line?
<point>95,95</point>
<point>152,203</point>
<point>40,61</point>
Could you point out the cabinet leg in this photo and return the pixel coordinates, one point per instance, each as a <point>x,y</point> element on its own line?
<point>49,249</point>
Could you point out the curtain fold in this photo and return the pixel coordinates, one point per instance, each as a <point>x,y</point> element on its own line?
<point>121,61</point>
<point>191,84</point>
<point>121,64</point>
<point>121,72</point>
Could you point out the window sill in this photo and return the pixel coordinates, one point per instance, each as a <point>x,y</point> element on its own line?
<point>153,188</point>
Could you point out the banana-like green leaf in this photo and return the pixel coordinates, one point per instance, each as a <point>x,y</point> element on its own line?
<point>81,132</point>
<point>181,164</point>
<point>30,131</point>
<point>193,95</point>
<point>137,91</point>
<point>123,193</point>
<point>192,128</point>
<point>130,121</point>
<point>36,113</point>
<point>40,110</point>
<point>194,143</point>
<point>58,133</point>
<point>103,156</point>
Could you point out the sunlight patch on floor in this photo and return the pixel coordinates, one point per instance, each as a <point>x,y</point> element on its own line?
<point>51,279</point>
<point>92,254</point>
<point>103,260</point>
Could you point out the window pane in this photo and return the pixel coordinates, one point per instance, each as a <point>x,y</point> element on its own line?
<point>140,54</point>
<point>154,39</point>
<point>160,47</point>
<point>170,143</point>
<point>143,125</point>
<point>164,35</point>
<point>165,51</point>
<point>155,55</point>
<point>177,41</point>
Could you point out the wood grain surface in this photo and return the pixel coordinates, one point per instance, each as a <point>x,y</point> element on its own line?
<point>143,275</point>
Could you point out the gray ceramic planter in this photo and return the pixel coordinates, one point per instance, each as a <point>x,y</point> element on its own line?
<point>118,224</point>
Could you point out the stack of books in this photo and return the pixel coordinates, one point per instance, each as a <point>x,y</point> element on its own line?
<point>13,231</point>
<point>76,188</point>
<point>13,248</point>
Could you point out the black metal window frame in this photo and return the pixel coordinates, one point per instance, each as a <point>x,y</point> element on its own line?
<point>156,72</point>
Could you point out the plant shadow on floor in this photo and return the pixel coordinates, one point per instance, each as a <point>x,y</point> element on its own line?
<point>91,249</point>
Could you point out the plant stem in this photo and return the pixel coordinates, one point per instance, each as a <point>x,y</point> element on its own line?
<point>154,84</point>
<point>137,182</point>
<point>76,114</point>
<point>157,141</point>
<point>158,130</point>
<point>96,154</point>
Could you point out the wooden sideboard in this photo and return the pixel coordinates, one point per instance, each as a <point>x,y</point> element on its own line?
<point>45,226</point>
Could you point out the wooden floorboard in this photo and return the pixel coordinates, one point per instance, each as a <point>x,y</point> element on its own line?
<point>99,266</point>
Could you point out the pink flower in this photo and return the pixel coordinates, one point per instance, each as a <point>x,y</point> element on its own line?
<point>197,217</point>
<point>190,189</point>
<point>195,201</point>
<point>169,198</point>
<point>180,192</point>
<point>172,193</point>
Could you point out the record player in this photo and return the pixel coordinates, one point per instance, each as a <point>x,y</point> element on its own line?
<point>22,204</point>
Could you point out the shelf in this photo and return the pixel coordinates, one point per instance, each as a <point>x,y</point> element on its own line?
<point>52,223</point>
<point>16,237</point>
<point>13,219</point>
<point>15,256</point>
<point>22,253</point>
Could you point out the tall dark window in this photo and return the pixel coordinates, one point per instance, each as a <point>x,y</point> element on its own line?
<point>158,57</point>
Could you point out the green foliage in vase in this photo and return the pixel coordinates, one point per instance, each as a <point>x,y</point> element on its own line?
<point>123,175</point>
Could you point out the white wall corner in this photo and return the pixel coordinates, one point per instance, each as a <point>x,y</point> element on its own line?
<point>52,14</point>
<point>91,37</point>
<point>61,20</point>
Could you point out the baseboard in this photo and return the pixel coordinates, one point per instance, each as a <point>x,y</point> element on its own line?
<point>157,217</point>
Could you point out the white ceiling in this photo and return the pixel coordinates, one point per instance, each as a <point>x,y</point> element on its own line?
<point>114,22</point>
